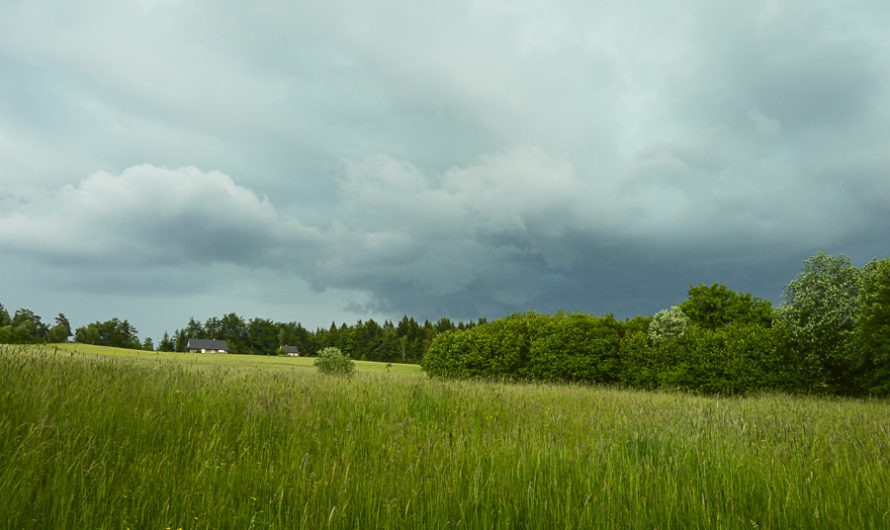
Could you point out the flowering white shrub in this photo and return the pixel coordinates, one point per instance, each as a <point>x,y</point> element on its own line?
<point>668,323</point>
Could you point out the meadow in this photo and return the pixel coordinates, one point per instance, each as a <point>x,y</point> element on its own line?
<point>97,438</point>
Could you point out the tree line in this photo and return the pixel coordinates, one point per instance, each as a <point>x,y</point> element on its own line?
<point>26,327</point>
<point>405,341</point>
<point>830,334</point>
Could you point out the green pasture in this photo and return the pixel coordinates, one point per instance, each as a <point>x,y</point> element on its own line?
<point>105,439</point>
<point>218,359</point>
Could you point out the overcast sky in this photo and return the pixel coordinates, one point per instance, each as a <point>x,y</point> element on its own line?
<point>344,160</point>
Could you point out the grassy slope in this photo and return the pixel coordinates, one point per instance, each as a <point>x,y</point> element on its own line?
<point>213,359</point>
<point>93,441</point>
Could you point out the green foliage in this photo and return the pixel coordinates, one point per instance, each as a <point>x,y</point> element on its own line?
<point>871,341</point>
<point>166,344</point>
<point>406,342</point>
<point>452,355</point>
<point>726,360</point>
<point>27,328</point>
<point>262,334</point>
<point>5,320</point>
<point>639,366</point>
<point>576,347</point>
<point>637,323</point>
<point>715,306</point>
<point>332,361</point>
<point>667,324</point>
<point>233,329</point>
<point>531,346</point>
<point>566,347</point>
<point>497,349</point>
<point>115,333</point>
<point>819,313</point>
<point>6,335</point>
<point>731,348</point>
<point>506,343</point>
<point>61,331</point>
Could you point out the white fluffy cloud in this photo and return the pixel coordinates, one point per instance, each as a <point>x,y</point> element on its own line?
<point>151,216</point>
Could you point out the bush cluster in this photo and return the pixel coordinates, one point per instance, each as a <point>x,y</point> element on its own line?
<point>583,348</point>
<point>332,361</point>
<point>830,335</point>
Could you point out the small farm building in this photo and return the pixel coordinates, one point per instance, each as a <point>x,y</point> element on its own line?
<point>291,351</point>
<point>207,346</point>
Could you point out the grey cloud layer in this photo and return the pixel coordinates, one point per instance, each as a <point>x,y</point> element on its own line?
<point>462,158</point>
<point>516,229</point>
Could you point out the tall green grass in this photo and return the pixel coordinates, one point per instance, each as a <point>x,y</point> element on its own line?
<point>106,442</point>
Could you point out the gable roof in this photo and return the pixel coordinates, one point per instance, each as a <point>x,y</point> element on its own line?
<point>207,344</point>
<point>290,349</point>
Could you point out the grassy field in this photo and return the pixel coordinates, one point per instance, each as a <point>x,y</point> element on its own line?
<point>101,439</point>
<point>213,359</point>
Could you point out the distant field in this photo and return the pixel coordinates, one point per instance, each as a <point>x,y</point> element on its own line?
<point>219,359</point>
<point>105,439</point>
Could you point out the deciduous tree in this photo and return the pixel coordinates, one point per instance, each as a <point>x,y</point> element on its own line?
<point>872,333</point>
<point>5,320</point>
<point>714,306</point>
<point>262,336</point>
<point>27,327</point>
<point>819,310</point>
<point>668,323</point>
<point>61,330</point>
<point>115,332</point>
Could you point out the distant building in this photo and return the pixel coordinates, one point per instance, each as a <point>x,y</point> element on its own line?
<point>207,346</point>
<point>291,351</point>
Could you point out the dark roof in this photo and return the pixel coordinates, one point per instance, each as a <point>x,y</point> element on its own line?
<point>290,349</point>
<point>207,344</point>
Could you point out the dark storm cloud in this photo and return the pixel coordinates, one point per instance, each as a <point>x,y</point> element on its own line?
<point>469,158</point>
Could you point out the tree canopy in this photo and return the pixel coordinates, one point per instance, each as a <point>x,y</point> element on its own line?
<point>714,306</point>
<point>114,332</point>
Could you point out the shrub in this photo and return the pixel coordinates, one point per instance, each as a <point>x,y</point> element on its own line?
<point>447,355</point>
<point>668,323</point>
<point>639,364</point>
<point>728,360</point>
<point>576,347</point>
<point>498,349</point>
<point>334,362</point>
<point>871,338</point>
<point>715,306</point>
